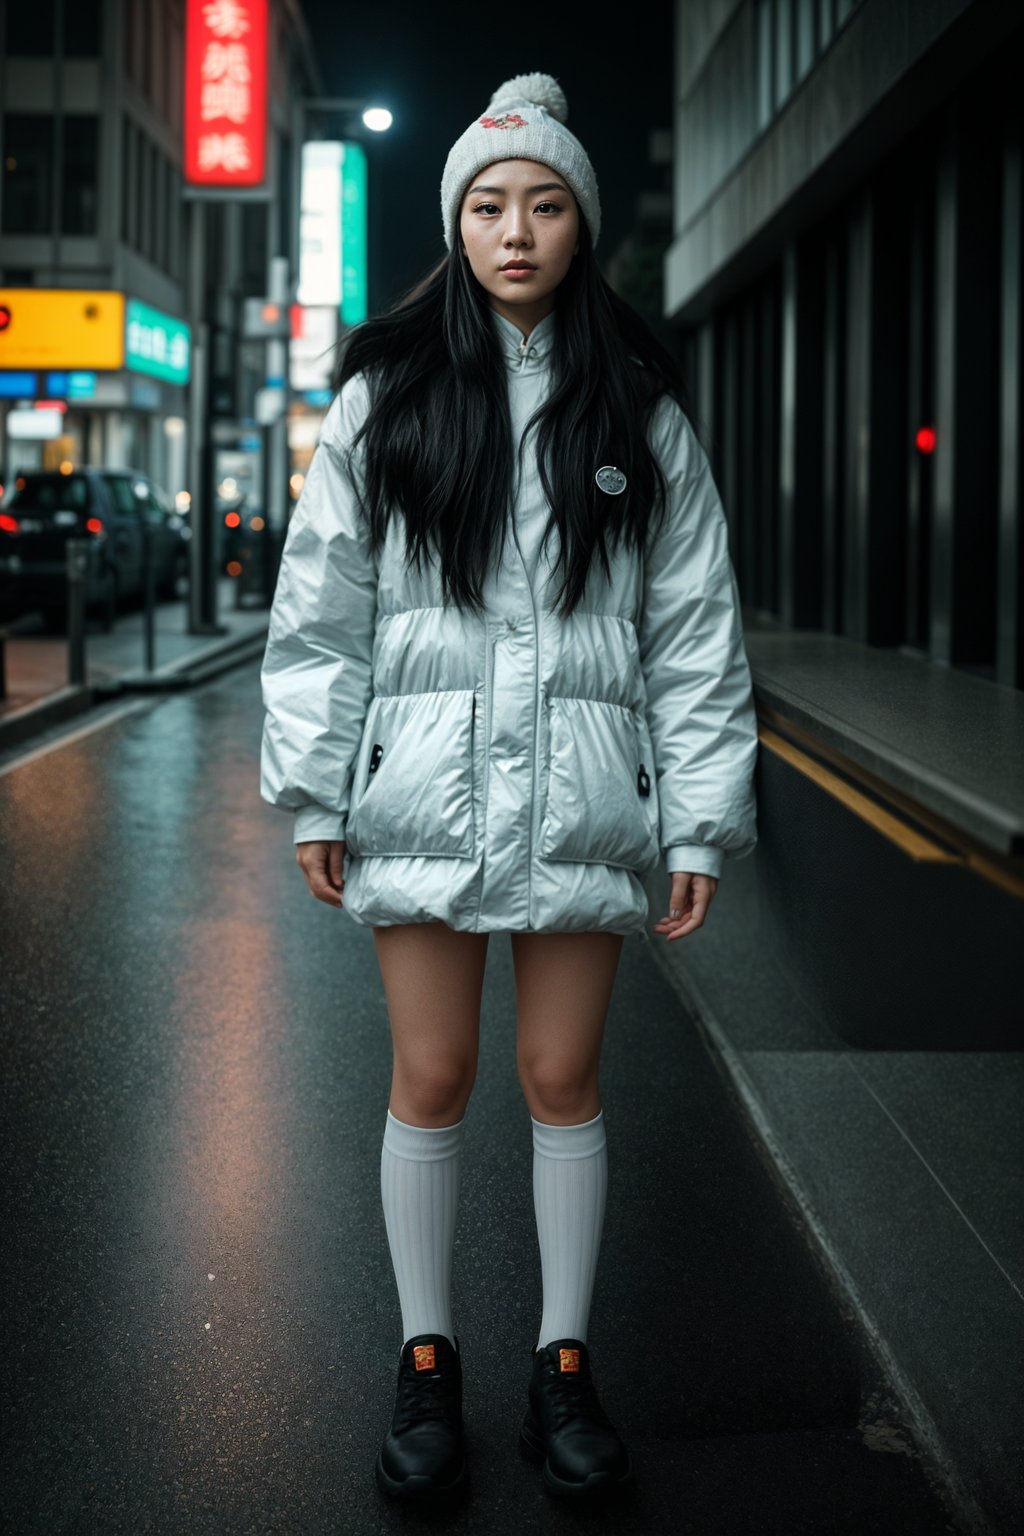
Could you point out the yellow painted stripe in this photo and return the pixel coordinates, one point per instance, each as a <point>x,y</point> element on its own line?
<point>912,842</point>
<point>966,850</point>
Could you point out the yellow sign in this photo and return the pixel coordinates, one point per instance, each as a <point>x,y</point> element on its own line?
<point>61,328</point>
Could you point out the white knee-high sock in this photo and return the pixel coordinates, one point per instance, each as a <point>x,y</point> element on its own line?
<point>570,1187</point>
<point>419,1185</point>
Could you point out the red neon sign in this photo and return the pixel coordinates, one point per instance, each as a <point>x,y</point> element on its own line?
<point>225,92</point>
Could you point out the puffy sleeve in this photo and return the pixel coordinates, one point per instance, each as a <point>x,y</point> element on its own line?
<point>316,675</point>
<point>700,705</point>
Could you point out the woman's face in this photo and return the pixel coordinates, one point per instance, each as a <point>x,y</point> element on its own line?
<point>519,210</point>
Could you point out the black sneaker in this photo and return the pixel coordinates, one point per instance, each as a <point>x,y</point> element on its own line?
<point>566,1428</point>
<point>422,1452</point>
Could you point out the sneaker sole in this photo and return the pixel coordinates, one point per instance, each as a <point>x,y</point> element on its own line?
<point>532,1448</point>
<point>419,1486</point>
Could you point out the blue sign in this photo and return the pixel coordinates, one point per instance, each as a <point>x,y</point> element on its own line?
<point>14,384</point>
<point>73,386</point>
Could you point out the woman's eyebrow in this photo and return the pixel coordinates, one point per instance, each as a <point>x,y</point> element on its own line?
<point>545,186</point>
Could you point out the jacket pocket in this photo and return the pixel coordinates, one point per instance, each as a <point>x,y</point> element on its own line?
<point>412,786</point>
<point>599,801</point>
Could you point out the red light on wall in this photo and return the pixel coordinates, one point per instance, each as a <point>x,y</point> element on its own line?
<point>225,92</point>
<point>233,519</point>
<point>925,440</point>
<point>94,525</point>
<point>8,524</point>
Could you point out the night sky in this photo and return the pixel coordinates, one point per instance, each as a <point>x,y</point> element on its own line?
<point>436,66</point>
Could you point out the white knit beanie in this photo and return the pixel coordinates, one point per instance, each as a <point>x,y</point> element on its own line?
<point>525,120</point>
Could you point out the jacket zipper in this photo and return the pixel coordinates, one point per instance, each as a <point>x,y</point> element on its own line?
<point>537,688</point>
<point>488,697</point>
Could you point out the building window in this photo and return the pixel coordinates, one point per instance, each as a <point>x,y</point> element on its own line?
<point>177,264</point>
<point>764,63</point>
<point>82,29</point>
<point>141,177</point>
<point>783,50</point>
<point>30,29</point>
<point>129,25</point>
<point>146,48</point>
<point>149,159</point>
<point>79,189</point>
<point>163,188</point>
<point>175,53</point>
<point>127,190</point>
<point>28,173</point>
<point>804,37</point>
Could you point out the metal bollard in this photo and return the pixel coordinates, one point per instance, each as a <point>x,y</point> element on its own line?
<point>149,593</point>
<point>76,554</point>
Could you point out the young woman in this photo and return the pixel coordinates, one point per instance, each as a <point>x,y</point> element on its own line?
<point>504,672</point>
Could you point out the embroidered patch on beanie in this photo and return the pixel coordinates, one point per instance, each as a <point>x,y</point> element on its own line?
<point>525,119</point>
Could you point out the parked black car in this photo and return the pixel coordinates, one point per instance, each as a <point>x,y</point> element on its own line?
<point>113,508</point>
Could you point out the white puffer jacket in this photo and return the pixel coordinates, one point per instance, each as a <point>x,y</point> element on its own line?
<point>518,770</point>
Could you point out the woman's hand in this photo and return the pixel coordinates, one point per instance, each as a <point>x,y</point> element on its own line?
<point>691,897</point>
<point>321,863</point>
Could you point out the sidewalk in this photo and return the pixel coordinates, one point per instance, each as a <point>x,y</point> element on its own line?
<point>38,692</point>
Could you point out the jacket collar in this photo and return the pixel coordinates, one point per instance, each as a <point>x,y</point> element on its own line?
<point>538,345</point>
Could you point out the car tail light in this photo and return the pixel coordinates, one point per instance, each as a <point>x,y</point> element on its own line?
<point>94,525</point>
<point>8,524</point>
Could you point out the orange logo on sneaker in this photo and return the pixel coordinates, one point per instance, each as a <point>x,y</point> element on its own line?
<point>423,1354</point>
<point>570,1359</point>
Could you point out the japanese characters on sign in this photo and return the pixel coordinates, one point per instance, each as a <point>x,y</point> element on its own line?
<point>225,92</point>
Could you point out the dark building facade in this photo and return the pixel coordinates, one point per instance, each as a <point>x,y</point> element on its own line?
<point>844,282</point>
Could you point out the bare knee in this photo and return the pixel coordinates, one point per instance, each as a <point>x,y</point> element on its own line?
<point>559,1091</point>
<point>433,1090</point>
<point>433,978</point>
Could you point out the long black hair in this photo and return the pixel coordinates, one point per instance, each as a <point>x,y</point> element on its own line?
<point>438,437</point>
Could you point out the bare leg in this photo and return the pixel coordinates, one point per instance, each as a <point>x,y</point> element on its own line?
<point>433,981</point>
<point>564,983</point>
<point>563,987</point>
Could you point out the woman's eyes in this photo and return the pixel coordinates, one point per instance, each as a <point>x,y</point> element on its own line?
<point>556,206</point>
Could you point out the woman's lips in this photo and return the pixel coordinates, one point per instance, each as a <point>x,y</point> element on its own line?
<point>518,271</point>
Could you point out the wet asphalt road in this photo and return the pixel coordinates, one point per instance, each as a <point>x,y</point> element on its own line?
<point>201,1324</point>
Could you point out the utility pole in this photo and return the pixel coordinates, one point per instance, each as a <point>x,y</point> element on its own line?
<point>275,433</point>
<point>202,603</point>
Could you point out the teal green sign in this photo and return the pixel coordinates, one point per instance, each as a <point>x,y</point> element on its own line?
<point>353,234</point>
<point>156,343</point>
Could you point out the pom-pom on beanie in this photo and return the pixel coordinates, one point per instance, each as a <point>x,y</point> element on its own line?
<point>524,120</point>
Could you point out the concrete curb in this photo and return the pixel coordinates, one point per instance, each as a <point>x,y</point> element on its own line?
<point>184,672</point>
<point>22,724</point>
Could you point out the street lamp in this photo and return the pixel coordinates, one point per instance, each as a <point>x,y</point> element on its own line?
<point>374,119</point>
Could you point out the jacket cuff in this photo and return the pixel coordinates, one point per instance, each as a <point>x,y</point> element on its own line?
<point>317,824</point>
<point>695,859</point>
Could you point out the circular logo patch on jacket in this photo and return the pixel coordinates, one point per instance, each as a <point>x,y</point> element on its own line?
<point>611,479</point>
